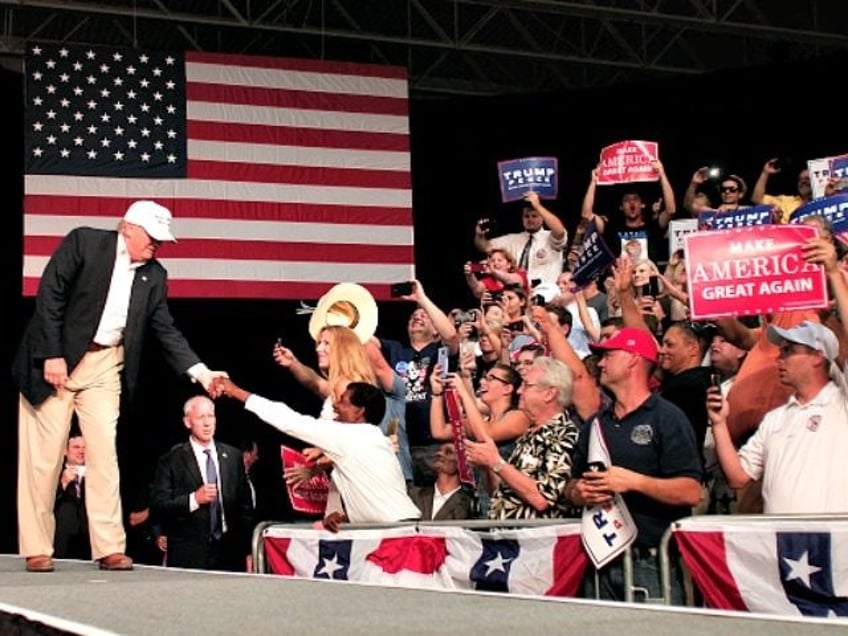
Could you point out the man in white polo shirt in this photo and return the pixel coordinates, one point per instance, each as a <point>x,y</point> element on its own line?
<point>798,449</point>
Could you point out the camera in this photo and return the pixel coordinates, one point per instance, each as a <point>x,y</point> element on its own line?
<point>478,268</point>
<point>713,172</point>
<point>442,361</point>
<point>715,380</point>
<point>779,163</point>
<point>487,226</point>
<point>464,316</point>
<point>401,289</point>
<point>652,288</point>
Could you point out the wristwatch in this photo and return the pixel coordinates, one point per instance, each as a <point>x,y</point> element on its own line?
<point>499,466</point>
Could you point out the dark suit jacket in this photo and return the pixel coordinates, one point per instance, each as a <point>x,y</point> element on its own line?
<point>70,301</point>
<point>458,506</point>
<point>70,540</point>
<point>177,476</point>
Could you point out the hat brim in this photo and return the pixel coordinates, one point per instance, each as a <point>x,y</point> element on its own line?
<point>162,237</point>
<point>776,336</point>
<point>356,295</point>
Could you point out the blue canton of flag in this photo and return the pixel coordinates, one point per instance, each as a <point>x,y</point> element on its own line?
<point>105,112</point>
<point>806,572</point>
<point>333,560</point>
<point>491,570</point>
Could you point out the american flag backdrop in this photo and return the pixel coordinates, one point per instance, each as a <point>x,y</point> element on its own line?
<point>284,176</point>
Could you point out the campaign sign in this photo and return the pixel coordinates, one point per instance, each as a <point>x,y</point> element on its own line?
<point>751,271</point>
<point>839,173</point>
<point>634,244</point>
<point>820,173</point>
<point>531,174</point>
<point>677,229</point>
<point>742,217</point>
<point>452,405</point>
<point>309,496</point>
<point>593,257</point>
<point>834,209</point>
<point>628,162</point>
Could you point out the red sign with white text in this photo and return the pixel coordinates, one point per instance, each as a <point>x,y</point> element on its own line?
<point>628,162</point>
<point>751,271</point>
<point>309,496</point>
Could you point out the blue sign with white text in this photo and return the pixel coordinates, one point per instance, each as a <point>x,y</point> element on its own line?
<point>531,174</point>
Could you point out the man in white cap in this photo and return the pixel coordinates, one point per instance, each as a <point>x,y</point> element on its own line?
<point>99,295</point>
<point>798,449</point>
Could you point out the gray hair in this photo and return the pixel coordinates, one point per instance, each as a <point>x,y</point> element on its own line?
<point>189,403</point>
<point>557,375</point>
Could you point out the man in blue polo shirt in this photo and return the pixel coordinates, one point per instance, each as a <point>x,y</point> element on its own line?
<point>655,463</point>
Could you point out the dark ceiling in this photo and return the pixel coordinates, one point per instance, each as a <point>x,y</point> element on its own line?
<point>461,47</point>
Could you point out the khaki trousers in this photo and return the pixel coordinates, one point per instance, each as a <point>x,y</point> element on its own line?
<point>93,391</point>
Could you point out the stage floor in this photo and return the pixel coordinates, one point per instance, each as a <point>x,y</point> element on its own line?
<point>151,600</point>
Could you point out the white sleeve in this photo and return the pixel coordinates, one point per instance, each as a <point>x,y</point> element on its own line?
<point>557,245</point>
<point>324,434</point>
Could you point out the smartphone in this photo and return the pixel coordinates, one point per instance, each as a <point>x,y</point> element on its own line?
<point>652,288</point>
<point>596,467</point>
<point>715,380</point>
<point>401,289</point>
<point>279,341</point>
<point>518,325</point>
<point>442,361</point>
<point>478,268</point>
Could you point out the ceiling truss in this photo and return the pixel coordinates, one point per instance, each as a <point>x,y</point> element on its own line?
<point>450,47</point>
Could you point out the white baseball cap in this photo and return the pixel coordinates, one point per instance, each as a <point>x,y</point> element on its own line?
<point>810,334</point>
<point>154,218</point>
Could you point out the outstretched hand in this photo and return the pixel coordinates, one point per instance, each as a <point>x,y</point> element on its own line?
<point>223,386</point>
<point>207,379</point>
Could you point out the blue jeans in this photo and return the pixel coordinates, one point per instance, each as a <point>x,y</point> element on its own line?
<point>647,581</point>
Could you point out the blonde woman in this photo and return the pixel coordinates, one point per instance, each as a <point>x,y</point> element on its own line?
<point>342,359</point>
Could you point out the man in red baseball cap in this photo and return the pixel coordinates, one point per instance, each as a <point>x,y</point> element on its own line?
<point>654,463</point>
<point>629,339</point>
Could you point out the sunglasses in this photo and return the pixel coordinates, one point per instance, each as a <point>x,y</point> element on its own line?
<point>729,189</point>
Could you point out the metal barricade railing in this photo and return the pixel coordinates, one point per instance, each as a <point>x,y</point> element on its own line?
<point>258,545</point>
<point>768,521</point>
<point>630,592</point>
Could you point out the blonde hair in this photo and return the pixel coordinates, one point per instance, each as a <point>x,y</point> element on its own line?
<point>347,360</point>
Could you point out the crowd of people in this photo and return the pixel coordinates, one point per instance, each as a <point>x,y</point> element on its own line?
<point>725,416</point>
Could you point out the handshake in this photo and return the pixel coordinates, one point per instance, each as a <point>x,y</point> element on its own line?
<point>223,386</point>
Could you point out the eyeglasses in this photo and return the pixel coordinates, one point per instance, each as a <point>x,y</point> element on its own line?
<point>491,376</point>
<point>729,189</point>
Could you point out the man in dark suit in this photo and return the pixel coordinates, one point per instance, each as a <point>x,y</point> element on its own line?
<point>71,539</point>
<point>101,292</point>
<point>202,498</point>
<point>445,499</point>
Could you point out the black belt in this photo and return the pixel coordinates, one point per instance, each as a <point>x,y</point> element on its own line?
<point>96,346</point>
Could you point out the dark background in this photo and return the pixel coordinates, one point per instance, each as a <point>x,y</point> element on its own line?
<point>736,119</point>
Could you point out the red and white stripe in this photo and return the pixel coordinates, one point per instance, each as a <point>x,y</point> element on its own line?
<point>298,178</point>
